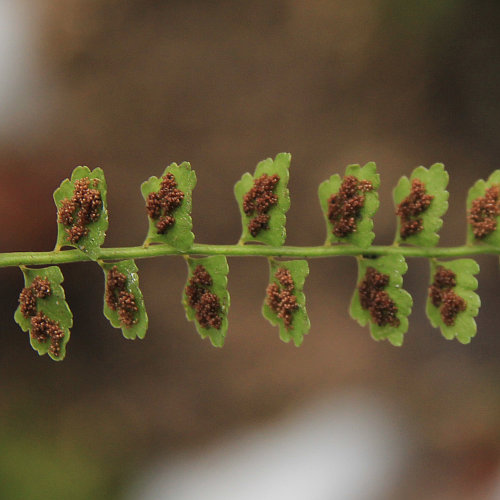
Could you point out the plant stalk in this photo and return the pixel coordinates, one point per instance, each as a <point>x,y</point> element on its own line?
<point>140,252</point>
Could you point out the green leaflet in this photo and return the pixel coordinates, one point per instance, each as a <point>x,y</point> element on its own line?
<point>216,266</point>
<point>393,266</point>
<point>478,190</point>
<point>464,325</point>
<point>363,235</point>
<point>435,180</point>
<point>179,235</point>
<point>275,234</point>
<point>91,242</point>
<point>53,306</point>
<point>119,317</point>
<point>300,324</point>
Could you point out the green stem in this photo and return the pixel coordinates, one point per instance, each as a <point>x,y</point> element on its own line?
<point>140,252</point>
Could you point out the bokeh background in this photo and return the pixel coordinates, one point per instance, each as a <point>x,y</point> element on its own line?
<point>132,86</point>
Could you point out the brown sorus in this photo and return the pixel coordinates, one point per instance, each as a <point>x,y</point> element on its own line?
<point>119,299</point>
<point>127,307</point>
<point>55,347</point>
<point>90,203</point>
<point>417,202</point>
<point>284,276</point>
<point>115,280</point>
<point>76,233</point>
<point>208,311</point>
<point>484,212</point>
<point>164,223</point>
<point>376,300</point>
<point>452,305</point>
<point>27,302</point>
<point>444,281</point>
<point>160,205</point>
<point>281,298</point>
<point>40,327</point>
<point>43,328</point>
<point>153,205</point>
<point>41,287</point>
<point>257,224</point>
<point>65,214</point>
<point>168,182</point>
<point>83,208</point>
<point>442,295</point>
<point>201,277</point>
<point>344,207</point>
<point>259,200</point>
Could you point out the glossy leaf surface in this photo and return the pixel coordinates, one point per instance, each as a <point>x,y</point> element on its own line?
<point>54,306</point>
<point>478,190</point>
<point>180,235</point>
<point>464,327</point>
<point>91,243</point>
<point>300,325</point>
<point>363,234</point>
<point>275,235</point>
<point>394,266</point>
<point>435,180</point>
<point>218,269</point>
<point>139,327</point>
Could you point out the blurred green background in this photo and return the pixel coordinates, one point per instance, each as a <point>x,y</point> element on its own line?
<point>132,86</point>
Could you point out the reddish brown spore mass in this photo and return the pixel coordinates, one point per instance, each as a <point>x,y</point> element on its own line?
<point>119,299</point>
<point>257,224</point>
<point>442,295</point>
<point>27,302</point>
<point>280,298</point>
<point>160,205</point>
<point>344,207</point>
<point>42,327</point>
<point>376,300</point>
<point>81,210</point>
<point>416,203</point>
<point>41,287</point>
<point>208,311</point>
<point>127,308</point>
<point>484,212</point>
<point>259,200</point>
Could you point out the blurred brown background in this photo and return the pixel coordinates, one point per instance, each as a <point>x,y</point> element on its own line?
<point>132,86</point>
